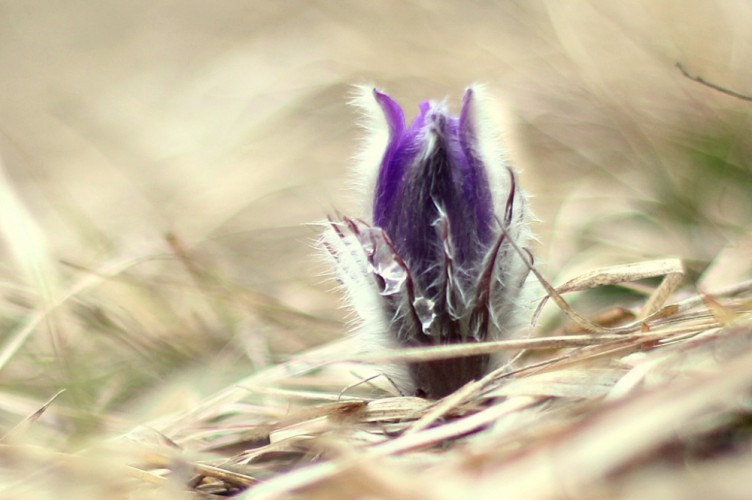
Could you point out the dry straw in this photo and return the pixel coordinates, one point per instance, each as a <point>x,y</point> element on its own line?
<point>663,405</point>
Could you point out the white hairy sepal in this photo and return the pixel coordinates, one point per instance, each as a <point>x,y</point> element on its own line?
<point>489,146</point>
<point>373,144</point>
<point>371,326</point>
<point>514,290</point>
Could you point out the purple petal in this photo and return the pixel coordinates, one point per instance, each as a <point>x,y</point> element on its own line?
<point>476,187</point>
<point>391,171</point>
<point>433,172</point>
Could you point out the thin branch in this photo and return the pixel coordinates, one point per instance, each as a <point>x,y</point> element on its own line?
<point>702,81</point>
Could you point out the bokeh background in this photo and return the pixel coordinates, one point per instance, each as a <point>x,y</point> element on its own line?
<point>163,164</point>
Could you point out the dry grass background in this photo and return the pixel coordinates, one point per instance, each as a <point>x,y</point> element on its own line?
<point>161,162</point>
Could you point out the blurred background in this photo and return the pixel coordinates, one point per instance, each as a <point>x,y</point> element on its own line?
<point>163,163</point>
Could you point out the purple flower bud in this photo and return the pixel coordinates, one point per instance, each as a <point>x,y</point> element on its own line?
<point>433,265</point>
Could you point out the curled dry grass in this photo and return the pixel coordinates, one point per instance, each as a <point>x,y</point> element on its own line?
<point>652,408</point>
<point>662,407</point>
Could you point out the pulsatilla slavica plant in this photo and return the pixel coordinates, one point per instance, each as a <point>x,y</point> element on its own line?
<point>431,264</point>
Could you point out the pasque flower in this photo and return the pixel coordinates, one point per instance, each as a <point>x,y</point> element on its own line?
<point>432,263</point>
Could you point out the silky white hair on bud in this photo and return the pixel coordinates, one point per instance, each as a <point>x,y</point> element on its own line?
<point>373,144</point>
<point>486,298</point>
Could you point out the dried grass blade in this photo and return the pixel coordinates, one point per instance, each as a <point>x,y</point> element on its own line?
<point>20,335</point>
<point>23,425</point>
<point>614,438</point>
<point>459,350</point>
